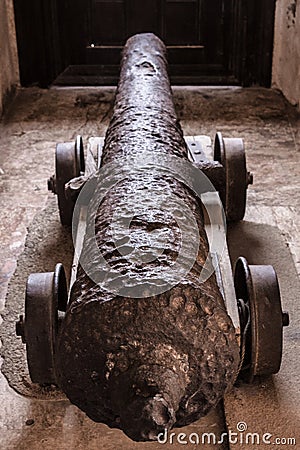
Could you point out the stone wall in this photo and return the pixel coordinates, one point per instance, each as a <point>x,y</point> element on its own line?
<point>286,58</point>
<point>9,68</point>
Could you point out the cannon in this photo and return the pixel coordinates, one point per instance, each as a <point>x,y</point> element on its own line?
<point>141,342</point>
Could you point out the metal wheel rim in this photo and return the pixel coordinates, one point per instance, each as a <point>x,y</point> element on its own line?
<point>258,286</point>
<point>236,178</point>
<point>45,294</point>
<point>67,166</point>
<point>41,326</point>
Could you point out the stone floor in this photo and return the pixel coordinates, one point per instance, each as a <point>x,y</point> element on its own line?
<point>35,122</point>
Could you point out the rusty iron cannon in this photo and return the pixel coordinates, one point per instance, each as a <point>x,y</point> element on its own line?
<point>141,342</point>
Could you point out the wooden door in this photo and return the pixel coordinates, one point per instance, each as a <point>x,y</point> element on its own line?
<point>208,41</point>
<point>192,30</point>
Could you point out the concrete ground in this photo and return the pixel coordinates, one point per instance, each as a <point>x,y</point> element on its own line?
<point>30,230</point>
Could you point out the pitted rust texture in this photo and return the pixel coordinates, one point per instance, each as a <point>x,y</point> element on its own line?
<point>150,363</point>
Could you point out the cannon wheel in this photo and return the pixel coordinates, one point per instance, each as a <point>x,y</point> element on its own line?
<point>231,154</point>
<point>45,294</point>
<point>257,286</point>
<point>69,163</point>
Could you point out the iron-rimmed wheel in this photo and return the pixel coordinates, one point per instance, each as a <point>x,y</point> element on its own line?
<point>230,152</point>
<point>257,286</point>
<point>69,164</point>
<point>45,294</point>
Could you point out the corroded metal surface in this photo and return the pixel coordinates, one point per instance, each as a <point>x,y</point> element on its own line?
<point>150,363</point>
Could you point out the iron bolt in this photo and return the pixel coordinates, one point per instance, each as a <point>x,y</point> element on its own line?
<point>20,328</point>
<point>249,178</point>
<point>285,319</point>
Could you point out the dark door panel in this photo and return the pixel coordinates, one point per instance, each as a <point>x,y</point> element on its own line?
<point>190,31</point>
<point>208,41</point>
<point>148,13</point>
<point>108,22</point>
<point>181,22</point>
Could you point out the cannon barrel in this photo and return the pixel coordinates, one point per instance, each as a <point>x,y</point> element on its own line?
<point>153,361</point>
